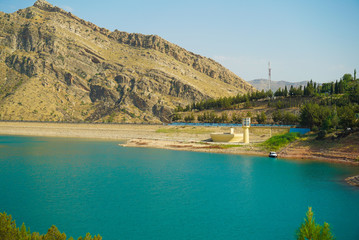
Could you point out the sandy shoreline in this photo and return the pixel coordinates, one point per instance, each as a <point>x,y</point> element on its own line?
<point>187,138</point>
<point>181,138</point>
<point>73,130</point>
<point>240,150</point>
<point>193,147</point>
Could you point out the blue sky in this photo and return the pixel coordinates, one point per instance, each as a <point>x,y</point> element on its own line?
<point>303,40</point>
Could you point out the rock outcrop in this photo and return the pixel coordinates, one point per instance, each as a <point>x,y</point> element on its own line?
<point>55,66</point>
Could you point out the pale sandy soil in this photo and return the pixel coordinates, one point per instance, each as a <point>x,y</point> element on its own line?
<point>345,150</point>
<point>125,131</point>
<point>194,146</point>
<point>101,131</point>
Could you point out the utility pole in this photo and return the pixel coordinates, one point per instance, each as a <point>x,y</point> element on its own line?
<point>269,76</point>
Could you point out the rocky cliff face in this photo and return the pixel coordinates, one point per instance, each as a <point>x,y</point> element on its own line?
<point>55,66</point>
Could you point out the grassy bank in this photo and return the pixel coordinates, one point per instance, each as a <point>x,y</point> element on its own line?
<point>277,142</point>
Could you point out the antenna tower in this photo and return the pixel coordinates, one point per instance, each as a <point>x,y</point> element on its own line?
<point>269,75</point>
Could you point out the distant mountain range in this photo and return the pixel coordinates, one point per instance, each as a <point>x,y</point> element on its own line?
<point>263,84</point>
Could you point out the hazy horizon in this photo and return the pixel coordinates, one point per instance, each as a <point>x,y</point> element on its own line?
<point>303,40</point>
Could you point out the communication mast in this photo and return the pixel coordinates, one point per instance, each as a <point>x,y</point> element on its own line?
<point>269,76</point>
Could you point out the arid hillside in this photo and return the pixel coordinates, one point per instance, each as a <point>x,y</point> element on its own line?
<point>55,66</point>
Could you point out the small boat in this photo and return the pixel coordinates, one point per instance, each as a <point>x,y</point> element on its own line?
<point>273,154</point>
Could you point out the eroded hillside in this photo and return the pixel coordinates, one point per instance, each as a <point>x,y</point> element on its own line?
<point>57,67</point>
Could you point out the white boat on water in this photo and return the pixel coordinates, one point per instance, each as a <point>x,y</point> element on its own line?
<point>273,154</point>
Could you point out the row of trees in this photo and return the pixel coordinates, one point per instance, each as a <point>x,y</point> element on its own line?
<point>324,107</point>
<point>278,117</point>
<point>9,231</point>
<point>226,102</point>
<point>309,229</point>
<point>313,89</point>
<point>328,117</point>
<point>344,85</point>
<point>347,85</point>
<point>285,118</point>
<point>313,115</point>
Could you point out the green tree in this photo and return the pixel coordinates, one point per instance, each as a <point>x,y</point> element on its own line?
<point>189,118</point>
<point>332,88</point>
<point>280,105</point>
<point>8,228</point>
<point>309,115</point>
<point>354,93</point>
<point>261,118</point>
<point>341,86</point>
<point>309,230</point>
<point>347,77</point>
<point>176,117</point>
<point>312,115</point>
<point>88,237</point>
<point>279,92</point>
<point>285,92</point>
<point>309,90</point>
<point>224,117</point>
<point>277,116</point>
<point>247,104</point>
<point>179,108</point>
<point>290,118</point>
<point>291,91</point>
<point>346,117</point>
<point>336,87</point>
<point>236,118</point>
<point>9,231</point>
<point>269,93</point>
<point>54,234</point>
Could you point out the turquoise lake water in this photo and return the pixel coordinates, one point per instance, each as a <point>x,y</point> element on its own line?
<point>135,193</point>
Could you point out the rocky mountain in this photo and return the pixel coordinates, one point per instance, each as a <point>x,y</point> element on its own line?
<point>55,66</point>
<point>263,84</point>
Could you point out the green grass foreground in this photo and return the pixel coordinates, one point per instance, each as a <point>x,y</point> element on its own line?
<point>9,231</point>
<point>277,142</point>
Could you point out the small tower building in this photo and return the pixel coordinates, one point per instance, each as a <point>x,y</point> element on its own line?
<point>246,124</point>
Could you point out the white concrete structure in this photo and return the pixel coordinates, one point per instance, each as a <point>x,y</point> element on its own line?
<point>246,124</point>
<point>227,137</point>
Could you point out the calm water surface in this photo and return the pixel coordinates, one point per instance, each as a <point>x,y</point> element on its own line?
<point>132,193</point>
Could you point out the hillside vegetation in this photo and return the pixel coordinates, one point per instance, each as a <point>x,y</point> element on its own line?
<point>325,107</point>
<point>55,66</point>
